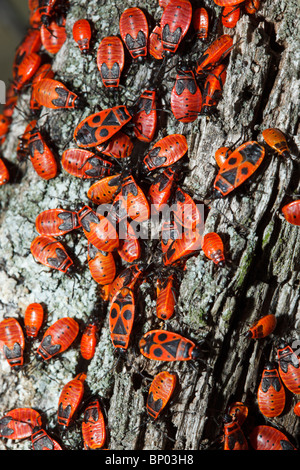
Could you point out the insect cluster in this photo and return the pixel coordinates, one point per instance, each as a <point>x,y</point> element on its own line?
<point>126,191</point>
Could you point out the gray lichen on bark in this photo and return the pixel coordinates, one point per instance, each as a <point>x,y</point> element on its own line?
<point>262,272</point>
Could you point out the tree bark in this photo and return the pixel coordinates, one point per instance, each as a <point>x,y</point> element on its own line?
<point>216,305</point>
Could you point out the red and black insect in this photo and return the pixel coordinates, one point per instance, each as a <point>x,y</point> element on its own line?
<point>26,70</point>
<point>31,43</point>
<point>93,426</point>
<point>213,248</point>
<point>291,212</point>
<point>85,164</point>
<point>41,156</point>
<point>213,88</point>
<point>234,438</point>
<point>230,16</point>
<point>12,336</point>
<point>214,55</point>
<point>104,190</point>
<point>56,222</point>
<point>162,345</point>
<point>262,327</point>
<point>175,22</point>
<point>167,293</point>
<point>277,141</point>
<point>4,173</point>
<point>130,202</point>
<point>99,127</point>
<point>33,319</point>
<point>58,338</point>
<point>145,116</point>
<point>166,151</point>
<point>89,341</point>
<point>53,94</point>
<point>54,36</point>
<point>44,71</point>
<point>40,440</point>
<point>118,146</point>
<point>161,189</point>
<point>121,317</point>
<point>200,22</point>
<point>160,392</point>
<point>134,32</point>
<point>130,248</point>
<point>99,230</point>
<point>186,211</point>
<point>110,60</point>
<point>188,243</point>
<point>239,166</point>
<point>19,423</point>
<point>102,265</point>
<point>50,252</point>
<point>269,438</point>
<point>271,393</point>
<point>289,367</point>
<point>69,400</point>
<point>186,97</point>
<point>82,34</point>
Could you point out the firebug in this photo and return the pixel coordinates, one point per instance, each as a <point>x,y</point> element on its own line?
<point>99,127</point>
<point>82,34</point>
<point>289,367</point>
<point>160,392</point>
<point>70,399</point>
<point>33,319</point>
<point>276,140</point>
<point>50,252</point>
<point>58,338</point>
<point>175,22</point>
<point>12,336</point>
<point>134,32</point>
<point>271,393</point>
<point>121,317</point>
<point>162,345</point>
<point>269,438</point>
<point>186,97</point>
<point>93,426</point>
<point>166,151</point>
<point>85,164</point>
<point>213,248</point>
<point>262,327</point>
<point>111,60</point>
<point>56,222</point>
<point>239,166</point>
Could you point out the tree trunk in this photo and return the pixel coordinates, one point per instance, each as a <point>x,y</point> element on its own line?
<point>216,305</point>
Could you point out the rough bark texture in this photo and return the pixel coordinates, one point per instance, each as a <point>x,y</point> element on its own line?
<point>262,251</point>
